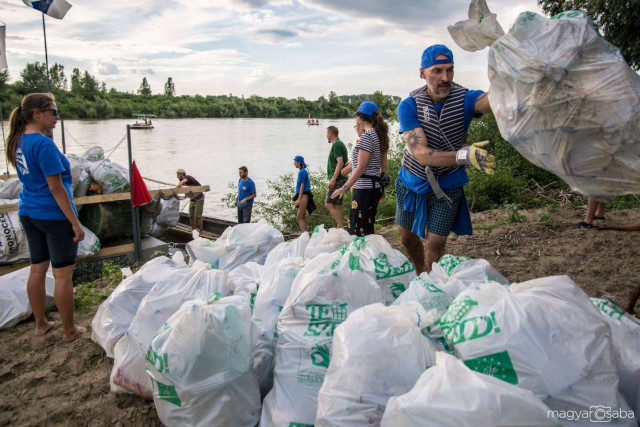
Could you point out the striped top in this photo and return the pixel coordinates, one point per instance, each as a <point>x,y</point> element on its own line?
<point>370,142</point>
<point>444,133</point>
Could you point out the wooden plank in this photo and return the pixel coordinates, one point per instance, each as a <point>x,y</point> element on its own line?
<point>113,250</point>
<point>10,268</point>
<point>4,176</point>
<point>101,198</point>
<point>8,208</point>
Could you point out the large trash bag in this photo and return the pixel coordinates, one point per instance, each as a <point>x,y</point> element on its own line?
<point>236,246</point>
<point>245,280</point>
<point>10,189</point>
<point>14,301</point>
<point>164,299</point>
<point>94,154</point>
<point>115,314</point>
<point>566,99</point>
<point>90,245</point>
<point>326,241</point>
<point>111,177</point>
<point>479,31</point>
<point>200,365</point>
<point>450,394</point>
<point>543,335</point>
<point>292,249</point>
<point>392,270</point>
<point>325,292</point>
<point>274,290</point>
<point>169,212</point>
<point>378,352</point>
<point>625,338</point>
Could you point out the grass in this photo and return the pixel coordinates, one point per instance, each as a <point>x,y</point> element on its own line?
<point>89,294</point>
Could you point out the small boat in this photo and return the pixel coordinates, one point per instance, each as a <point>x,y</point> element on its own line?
<point>143,121</point>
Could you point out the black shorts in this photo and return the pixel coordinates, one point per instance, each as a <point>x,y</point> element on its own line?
<point>364,208</point>
<point>50,239</point>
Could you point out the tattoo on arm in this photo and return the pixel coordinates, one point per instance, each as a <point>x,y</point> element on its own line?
<point>430,153</point>
<point>412,139</point>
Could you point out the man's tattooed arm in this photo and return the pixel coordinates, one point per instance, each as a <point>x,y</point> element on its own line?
<point>418,146</point>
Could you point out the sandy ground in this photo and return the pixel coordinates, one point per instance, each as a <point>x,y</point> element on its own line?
<point>46,382</point>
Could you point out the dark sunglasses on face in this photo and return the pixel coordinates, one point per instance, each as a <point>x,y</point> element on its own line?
<point>53,111</point>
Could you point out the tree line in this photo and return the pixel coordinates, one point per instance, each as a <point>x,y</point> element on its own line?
<point>82,96</point>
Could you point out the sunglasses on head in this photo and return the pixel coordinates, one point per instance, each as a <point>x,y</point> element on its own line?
<point>53,111</point>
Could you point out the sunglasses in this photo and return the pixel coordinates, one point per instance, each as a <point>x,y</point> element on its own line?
<point>53,111</point>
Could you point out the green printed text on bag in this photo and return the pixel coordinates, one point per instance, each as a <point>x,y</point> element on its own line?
<point>384,268</point>
<point>325,318</point>
<point>470,329</point>
<point>458,309</point>
<point>497,365</point>
<point>159,361</point>
<point>609,308</point>
<point>168,393</point>
<point>449,262</point>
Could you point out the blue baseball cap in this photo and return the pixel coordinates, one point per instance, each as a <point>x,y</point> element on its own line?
<point>429,56</point>
<point>367,107</point>
<point>300,160</point>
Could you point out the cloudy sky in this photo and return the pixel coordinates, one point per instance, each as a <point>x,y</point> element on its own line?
<point>285,48</point>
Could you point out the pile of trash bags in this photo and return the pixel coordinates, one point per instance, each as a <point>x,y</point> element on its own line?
<point>350,336</point>
<point>563,96</point>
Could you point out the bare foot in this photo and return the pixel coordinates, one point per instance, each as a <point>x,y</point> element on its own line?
<point>40,332</point>
<point>77,334</point>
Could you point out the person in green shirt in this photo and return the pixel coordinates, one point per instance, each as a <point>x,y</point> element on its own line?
<point>338,157</point>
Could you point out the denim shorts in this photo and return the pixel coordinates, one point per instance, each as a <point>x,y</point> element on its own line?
<point>50,239</point>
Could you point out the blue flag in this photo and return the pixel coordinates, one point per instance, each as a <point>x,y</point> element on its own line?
<point>54,8</point>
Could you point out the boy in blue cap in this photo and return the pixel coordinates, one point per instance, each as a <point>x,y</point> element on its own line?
<point>434,120</point>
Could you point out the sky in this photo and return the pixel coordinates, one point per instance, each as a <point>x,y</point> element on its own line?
<point>290,48</point>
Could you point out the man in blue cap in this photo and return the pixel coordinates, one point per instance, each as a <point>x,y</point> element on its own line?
<point>434,120</point>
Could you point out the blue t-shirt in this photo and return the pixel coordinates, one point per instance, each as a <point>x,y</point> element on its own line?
<point>303,178</point>
<point>245,189</point>
<point>37,157</point>
<point>408,111</point>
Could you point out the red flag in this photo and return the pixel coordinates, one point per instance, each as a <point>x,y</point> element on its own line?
<point>139,192</point>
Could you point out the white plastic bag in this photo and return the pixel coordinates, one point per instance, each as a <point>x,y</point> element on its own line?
<point>323,241</point>
<point>115,314</point>
<point>292,249</point>
<point>14,301</point>
<point>94,154</point>
<point>326,290</point>
<point>169,212</point>
<point>452,268</point>
<point>479,31</point>
<point>392,270</point>
<point>450,394</point>
<point>111,177</point>
<point>13,240</point>
<point>200,365</point>
<point>236,246</point>
<point>378,352</point>
<point>245,280</point>
<point>10,189</point>
<point>84,181</point>
<point>547,80</point>
<point>90,245</point>
<point>625,339</point>
<point>274,290</point>
<point>543,335</point>
<point>156,307</point>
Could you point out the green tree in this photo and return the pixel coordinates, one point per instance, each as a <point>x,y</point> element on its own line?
<point>144,89</point>
<point>90,86</point>
<point>169,88</point>
<point>34,77</point>
<point>76,84</point>
<point>4,80</point>
<point>57,78</point>
<point>618,20</point>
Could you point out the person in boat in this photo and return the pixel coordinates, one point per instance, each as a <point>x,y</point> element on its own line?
<point>246,194</point>
<point>434,119</point>
<point>368,162</point>
<point>317,121</point>
<point>304,197</point>
<point>338,156</point>
<point>46,210</point>
<point>196,204</point>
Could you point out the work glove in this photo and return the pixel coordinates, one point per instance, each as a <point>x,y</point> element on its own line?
<point>476,156</point>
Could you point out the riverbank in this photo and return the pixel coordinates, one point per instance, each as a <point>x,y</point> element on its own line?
<point>47,382</point>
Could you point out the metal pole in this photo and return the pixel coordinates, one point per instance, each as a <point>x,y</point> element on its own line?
<point>46,55</point>
<point>135,211</point>
<point>64,148</point>
<point>4,141</point>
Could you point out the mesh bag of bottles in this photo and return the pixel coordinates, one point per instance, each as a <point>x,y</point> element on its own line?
<point>566,99</point>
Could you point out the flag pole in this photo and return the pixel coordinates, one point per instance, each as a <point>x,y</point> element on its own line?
<point>46,55</point>
<point>4,142</point>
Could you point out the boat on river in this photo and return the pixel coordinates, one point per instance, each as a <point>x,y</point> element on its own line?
<point>143,121</point>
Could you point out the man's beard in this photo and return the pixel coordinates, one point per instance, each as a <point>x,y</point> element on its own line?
<point>441,91</point>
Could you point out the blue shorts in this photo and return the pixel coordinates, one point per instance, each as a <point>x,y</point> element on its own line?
<point>441,214</point>
<point>50,239</point>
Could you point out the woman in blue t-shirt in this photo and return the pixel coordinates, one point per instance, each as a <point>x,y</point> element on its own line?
<point>303,196</point>
<point>46,209</point>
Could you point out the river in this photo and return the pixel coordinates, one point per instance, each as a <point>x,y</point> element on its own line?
<point>211,150</point>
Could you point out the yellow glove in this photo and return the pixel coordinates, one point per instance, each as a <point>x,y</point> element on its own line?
<point>476,156</point>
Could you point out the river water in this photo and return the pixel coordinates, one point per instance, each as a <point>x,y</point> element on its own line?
<point>211,150</point>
